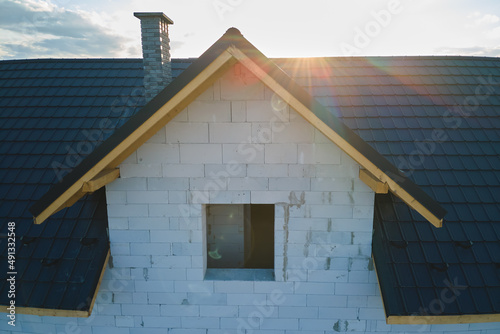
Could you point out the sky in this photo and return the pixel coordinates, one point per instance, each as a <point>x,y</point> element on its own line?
<point>279,28</point>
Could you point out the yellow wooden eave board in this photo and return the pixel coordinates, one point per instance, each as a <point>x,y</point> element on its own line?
<point>48,312</point>
<point>442,319</point>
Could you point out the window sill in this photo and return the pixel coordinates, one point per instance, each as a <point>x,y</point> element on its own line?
<point>223,274</point>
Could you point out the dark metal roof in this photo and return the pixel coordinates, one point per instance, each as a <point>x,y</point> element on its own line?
<point>53,112</point>
<point>438,119</point>
<point>396,104</point>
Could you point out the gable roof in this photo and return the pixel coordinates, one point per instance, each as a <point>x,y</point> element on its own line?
<point>228,50</point>
<point>393,103</point>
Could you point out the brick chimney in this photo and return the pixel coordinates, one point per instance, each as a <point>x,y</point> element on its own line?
<point>155,52</point>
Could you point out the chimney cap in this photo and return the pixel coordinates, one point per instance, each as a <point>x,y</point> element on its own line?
<point>140,15</point>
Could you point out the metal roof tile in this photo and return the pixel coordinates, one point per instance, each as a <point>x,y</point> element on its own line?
<point>485,195</point>
<point>493,211</point>
<point>432,254</point>
<point>378,135</point>
<point>366,135</point>
<point>481,253</point>
<point>422,276</point>
<point>463,178</point>
<point>79,272</point>
<point>55,295</point>
<point>64,271</point>
<point>404,275</point>
<point>467,305</point>
<point>481,299</point>
<point>39,292</point>
<point>403,100</point>
<point>447,250</point>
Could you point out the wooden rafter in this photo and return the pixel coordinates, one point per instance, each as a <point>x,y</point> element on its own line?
<point>100,180</point>
<point>371,181</point>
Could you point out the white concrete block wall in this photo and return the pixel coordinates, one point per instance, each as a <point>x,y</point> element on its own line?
<point>237,144</point>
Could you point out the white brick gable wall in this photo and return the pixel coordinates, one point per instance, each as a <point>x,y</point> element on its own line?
<point>238,144</point>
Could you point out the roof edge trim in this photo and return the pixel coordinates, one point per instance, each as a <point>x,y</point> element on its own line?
<point>441,319</point>
<point>103,270</point>
<point>48,312</point>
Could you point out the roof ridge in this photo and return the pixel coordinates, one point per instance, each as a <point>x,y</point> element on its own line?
<point>422,57</point>
<point>69,60</point>
<point>231,33</point>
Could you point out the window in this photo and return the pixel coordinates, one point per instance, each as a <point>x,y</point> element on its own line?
<point>240,236</point>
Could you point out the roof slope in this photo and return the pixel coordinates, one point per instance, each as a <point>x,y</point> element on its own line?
<point>438,119</point>
<point>415,262</point>
<point>53,113</point>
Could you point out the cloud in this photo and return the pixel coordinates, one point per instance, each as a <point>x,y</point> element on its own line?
<point>35,28</point>
<point>477,19</point>
<point>487,19</point>
<point>470,51</point>
<point>493,33</point>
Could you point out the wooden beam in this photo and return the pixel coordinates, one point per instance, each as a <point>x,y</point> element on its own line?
<point>308,115</point>
<point>61,202</point>
<point>69,202</point>
<point>442,319</point>
<point>158,120</point>
<point>101,179</point>
<point>48,312</point>
<point>372,182</point>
